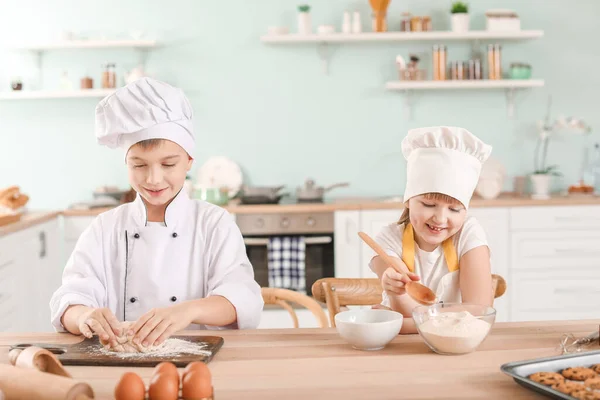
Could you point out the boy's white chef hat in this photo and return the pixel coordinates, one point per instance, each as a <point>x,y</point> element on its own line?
<point>445,160</point>
<point>145,109</point>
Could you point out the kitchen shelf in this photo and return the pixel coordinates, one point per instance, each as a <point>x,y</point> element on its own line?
<point>467,84</point>
<point>400,36</point>
<point>509,85</point>
<point>84,44</point>
<point>55,94</point>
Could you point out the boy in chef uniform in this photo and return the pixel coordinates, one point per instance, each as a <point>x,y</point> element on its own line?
<point>164,261</point>
<point>435,241</point>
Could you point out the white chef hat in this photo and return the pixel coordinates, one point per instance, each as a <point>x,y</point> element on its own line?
<point>145,109</point>
<point>443,159</point>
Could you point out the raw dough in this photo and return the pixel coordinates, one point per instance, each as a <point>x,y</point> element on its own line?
<point>126,345</point>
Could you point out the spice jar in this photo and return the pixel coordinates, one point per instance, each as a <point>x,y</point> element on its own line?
<point>416,24</point>
<point>87,82</point>
<point>109,76</point>
<point>427,24</point>
<point>16,84</point>
<point>405,22</point>
<point>439,62</point>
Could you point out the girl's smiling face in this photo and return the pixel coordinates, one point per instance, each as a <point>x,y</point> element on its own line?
<point>157,170</point>
<point>435,217</point>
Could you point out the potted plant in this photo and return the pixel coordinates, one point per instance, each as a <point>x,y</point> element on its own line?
<point>304,21</point>
<point>460,16</point>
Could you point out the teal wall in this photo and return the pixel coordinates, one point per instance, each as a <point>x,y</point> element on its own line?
<point>270,108</point>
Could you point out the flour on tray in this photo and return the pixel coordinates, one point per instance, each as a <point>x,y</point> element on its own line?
<point>170,348</point>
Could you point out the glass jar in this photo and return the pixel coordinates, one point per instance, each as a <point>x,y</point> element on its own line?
<point>416,24</point>
<point>520,71</point>
<point>405,22</point>
<point>109,76</point>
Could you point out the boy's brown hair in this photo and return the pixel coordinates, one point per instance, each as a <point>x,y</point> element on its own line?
<point>405,217</point>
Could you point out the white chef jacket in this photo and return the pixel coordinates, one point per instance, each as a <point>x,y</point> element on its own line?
<point>431,266</point>
<point>123,263</point>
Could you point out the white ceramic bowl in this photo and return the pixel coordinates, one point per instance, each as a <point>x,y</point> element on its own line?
<point>368,329</point>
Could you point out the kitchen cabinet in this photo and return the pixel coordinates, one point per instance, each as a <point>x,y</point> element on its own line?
<point>74,226</point>
<point>347,249</point>
<point>30,271</point>
<point>555,263</point>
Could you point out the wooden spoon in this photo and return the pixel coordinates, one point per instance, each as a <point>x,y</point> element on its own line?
<point>420,293</point>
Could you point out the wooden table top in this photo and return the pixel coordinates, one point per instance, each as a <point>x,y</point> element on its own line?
<point>318,364</point>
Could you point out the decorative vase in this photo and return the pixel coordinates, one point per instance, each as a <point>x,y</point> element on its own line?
<point>304,23</point>
<point>540,185</point>
<point>460,22</point>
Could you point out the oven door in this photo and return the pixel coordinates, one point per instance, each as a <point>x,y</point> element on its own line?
<point>319,258</point>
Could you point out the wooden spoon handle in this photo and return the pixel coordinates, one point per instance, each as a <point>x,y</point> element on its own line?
<point>379,250</point>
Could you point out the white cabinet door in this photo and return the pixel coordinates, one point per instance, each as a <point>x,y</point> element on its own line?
<point>50,264</point>
<point>347,244</point>
<point>495,222</point>
<point>372,222</point>
<point>73,228</point>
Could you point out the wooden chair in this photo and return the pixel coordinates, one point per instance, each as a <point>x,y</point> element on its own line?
<point>281,297</point>
<point>342,292</point>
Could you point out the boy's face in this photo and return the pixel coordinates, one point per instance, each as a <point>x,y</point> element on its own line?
<point>158,173</point>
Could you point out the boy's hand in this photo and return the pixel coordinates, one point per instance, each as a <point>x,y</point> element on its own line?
<point>393,282</point>
<point>100,321</point>
<point>158,324</point>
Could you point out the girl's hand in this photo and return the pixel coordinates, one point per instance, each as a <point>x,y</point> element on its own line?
<point>393,282</point>
<point>158,324</point>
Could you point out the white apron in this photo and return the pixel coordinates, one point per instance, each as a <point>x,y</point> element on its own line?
<point>448,289</point>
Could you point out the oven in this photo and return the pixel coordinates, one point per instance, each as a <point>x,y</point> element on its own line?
<point>315,228</point>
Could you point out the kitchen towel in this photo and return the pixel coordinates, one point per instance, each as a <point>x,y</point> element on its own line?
<point>286,263</point>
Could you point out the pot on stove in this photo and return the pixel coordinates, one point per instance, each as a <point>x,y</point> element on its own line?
<point>310,192</point>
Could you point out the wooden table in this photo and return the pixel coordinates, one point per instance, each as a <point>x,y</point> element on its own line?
<point>318,364</point>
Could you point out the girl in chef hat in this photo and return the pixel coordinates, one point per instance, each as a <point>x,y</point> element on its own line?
<point>163,262</point>
<point>435,241</point>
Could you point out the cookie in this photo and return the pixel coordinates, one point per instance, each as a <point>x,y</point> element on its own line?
<point>585,394</point>
<point>567,387</point>
<point>593,383</point>
<point>595,368</point>
<point>547,378</point>
<point>578,373</point>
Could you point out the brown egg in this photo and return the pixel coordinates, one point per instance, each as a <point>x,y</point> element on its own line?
<point>166,367</point>
<point>164,387</point>
<point>196,366</point>
<point>196,385</point>
<point>130,387</point>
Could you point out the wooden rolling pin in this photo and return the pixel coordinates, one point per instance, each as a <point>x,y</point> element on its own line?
<point>37,358</point>
<point>23,383</point>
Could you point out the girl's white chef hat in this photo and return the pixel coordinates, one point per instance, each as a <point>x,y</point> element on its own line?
<point>443,159</point>
<point>145,109</point>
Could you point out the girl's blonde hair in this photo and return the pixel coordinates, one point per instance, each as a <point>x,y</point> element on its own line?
<point>405,217</point>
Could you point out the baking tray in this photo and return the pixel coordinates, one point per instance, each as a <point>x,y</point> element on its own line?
<point>520,370</point>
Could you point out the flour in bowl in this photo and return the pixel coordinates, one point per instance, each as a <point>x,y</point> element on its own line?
<point>454,332</point>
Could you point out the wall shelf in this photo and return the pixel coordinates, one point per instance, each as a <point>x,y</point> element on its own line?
<point>400,37</point>
<point>55,94</point>
<point>83,44</point>
<point>509,85</point>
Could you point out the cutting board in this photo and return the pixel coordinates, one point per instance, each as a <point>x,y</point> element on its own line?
<point>86,353</point>
<point>6,219</point>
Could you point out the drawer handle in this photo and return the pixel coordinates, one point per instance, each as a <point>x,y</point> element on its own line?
<point>579,290</point>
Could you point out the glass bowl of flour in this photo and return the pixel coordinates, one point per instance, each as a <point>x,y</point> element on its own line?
<point>454,328</point>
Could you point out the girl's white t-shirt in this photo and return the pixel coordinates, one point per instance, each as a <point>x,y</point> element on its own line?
<point>431,266</point>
